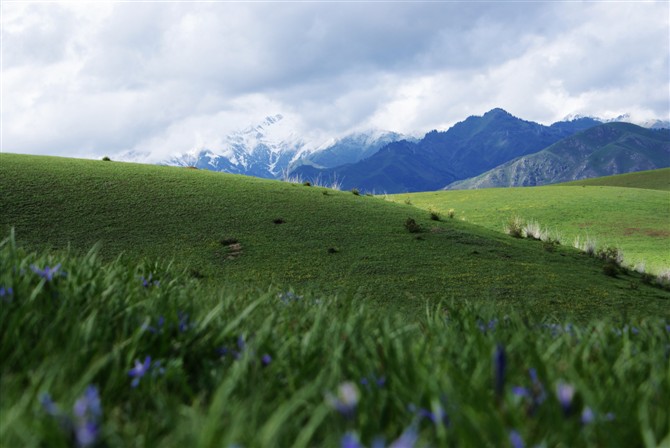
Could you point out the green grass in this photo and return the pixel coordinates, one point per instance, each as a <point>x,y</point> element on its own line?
<point>209,382</point>
<point>652,180</point>
<point>332,242</point>
<point>633,219</point>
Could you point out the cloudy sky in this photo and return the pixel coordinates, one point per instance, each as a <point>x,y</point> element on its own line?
<point>88,79</point>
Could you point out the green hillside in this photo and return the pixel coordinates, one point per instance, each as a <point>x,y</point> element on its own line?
<point>633,219</point>
<point>650,179</point>
<point>234,229</point>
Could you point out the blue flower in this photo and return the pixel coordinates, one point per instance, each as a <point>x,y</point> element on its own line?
<point>6,293</point>
<point>266,359</point>
<point>48,404</point>
<point>565,393</point>
<point>183,321</point>
<point>147,282</point>
<point>350,440</point>
<point>499,365</point>
<point>407,439</point>
<point>139,370</point>
<point>157,329</point>
<point>346,400</point>
<point>515,439</point>
<point>587,416</point>
<point>47,273</point>
<point>87,411</point>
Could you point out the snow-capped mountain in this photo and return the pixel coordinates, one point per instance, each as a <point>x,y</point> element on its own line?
<point>263,150</point>
<point>625,118</point>
<point>272,149</point>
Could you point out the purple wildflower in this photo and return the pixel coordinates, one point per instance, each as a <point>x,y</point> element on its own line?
<point>266,359</point>
<point>407,439</point>
<point>157,329</point>
<point>350,440</point>
<point>499,364</point>
<point>87,411</point>
<point>515,439</point>
<point>147,282</point>
<point>346,400</point>
<point>183,321</point>
<point>565,392</point>
<point>139,370</point>
<point>520,391</point>
<point>6,291</point>
<point>47,273</point>
<point>587,416</point>
<point>436,417</point>
<point>86,433</point>
<point>48,404</point>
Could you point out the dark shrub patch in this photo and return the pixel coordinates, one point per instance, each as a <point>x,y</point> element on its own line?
<point>333,250</point>
<point>412,226</point>
<point>106,159</point>
<point>229,241</point>
<point>434,216</point>
<point>611,269</point>
<point>355,192</point>
<point>307,184</point>
<point>278,221</point>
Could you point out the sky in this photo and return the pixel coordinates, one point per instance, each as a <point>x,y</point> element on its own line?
<point>95,78</point>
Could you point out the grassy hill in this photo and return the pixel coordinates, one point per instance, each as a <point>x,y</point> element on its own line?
<point>234,229</point>
<point>650,179</point>
<point>634,219</point>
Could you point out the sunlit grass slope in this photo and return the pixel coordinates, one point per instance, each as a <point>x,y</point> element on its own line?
<point>239,229</point>
<point>652,179</point>
<point>634,219</point>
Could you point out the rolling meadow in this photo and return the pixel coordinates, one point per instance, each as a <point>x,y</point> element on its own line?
<point>159,306</point>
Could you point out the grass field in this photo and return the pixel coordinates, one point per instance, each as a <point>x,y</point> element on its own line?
<point>635,220</point>
<point>249,231</point>
<point>652,180</point>
<point>125,354</point>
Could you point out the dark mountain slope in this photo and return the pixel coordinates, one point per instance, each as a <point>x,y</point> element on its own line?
<point>612,148</point>
<point>465,150</point>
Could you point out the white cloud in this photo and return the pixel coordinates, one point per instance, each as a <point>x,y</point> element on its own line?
<point>99,78</point>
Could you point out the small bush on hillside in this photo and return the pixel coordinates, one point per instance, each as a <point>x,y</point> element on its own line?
<point>435,216</point>
<point>355,192</point>
<point>408,201</point>
<point>514,227</point>
<point>106,159</point>
<point>549,246</point>
<point>610,255</point>
<point>451,213</point>
<point>333,250</point>
<point>278,221</point>
<point>412,226</point>
<point>229,241</point>
<point>611,269</point>
<point>307,183</point>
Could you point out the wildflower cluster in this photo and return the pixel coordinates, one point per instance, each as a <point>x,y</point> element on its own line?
<point>84,422</point>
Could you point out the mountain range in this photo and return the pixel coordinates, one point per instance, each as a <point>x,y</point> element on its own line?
<point>495,149</point>
<point>607,149</point>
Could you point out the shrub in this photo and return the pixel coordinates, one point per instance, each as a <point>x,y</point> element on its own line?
<point>611,269</point>
<point>333,250</point>
<point>435,216</point>
<point>451,213</point>
<point>307,183</point>
<point>611,255</point>
<point>408,201</point>
<point>229,241</point>
<point>106,159</point>
<point>278,221</point>
<point>514,227</point>
<point>412,226</point>
<point>355,192</point>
